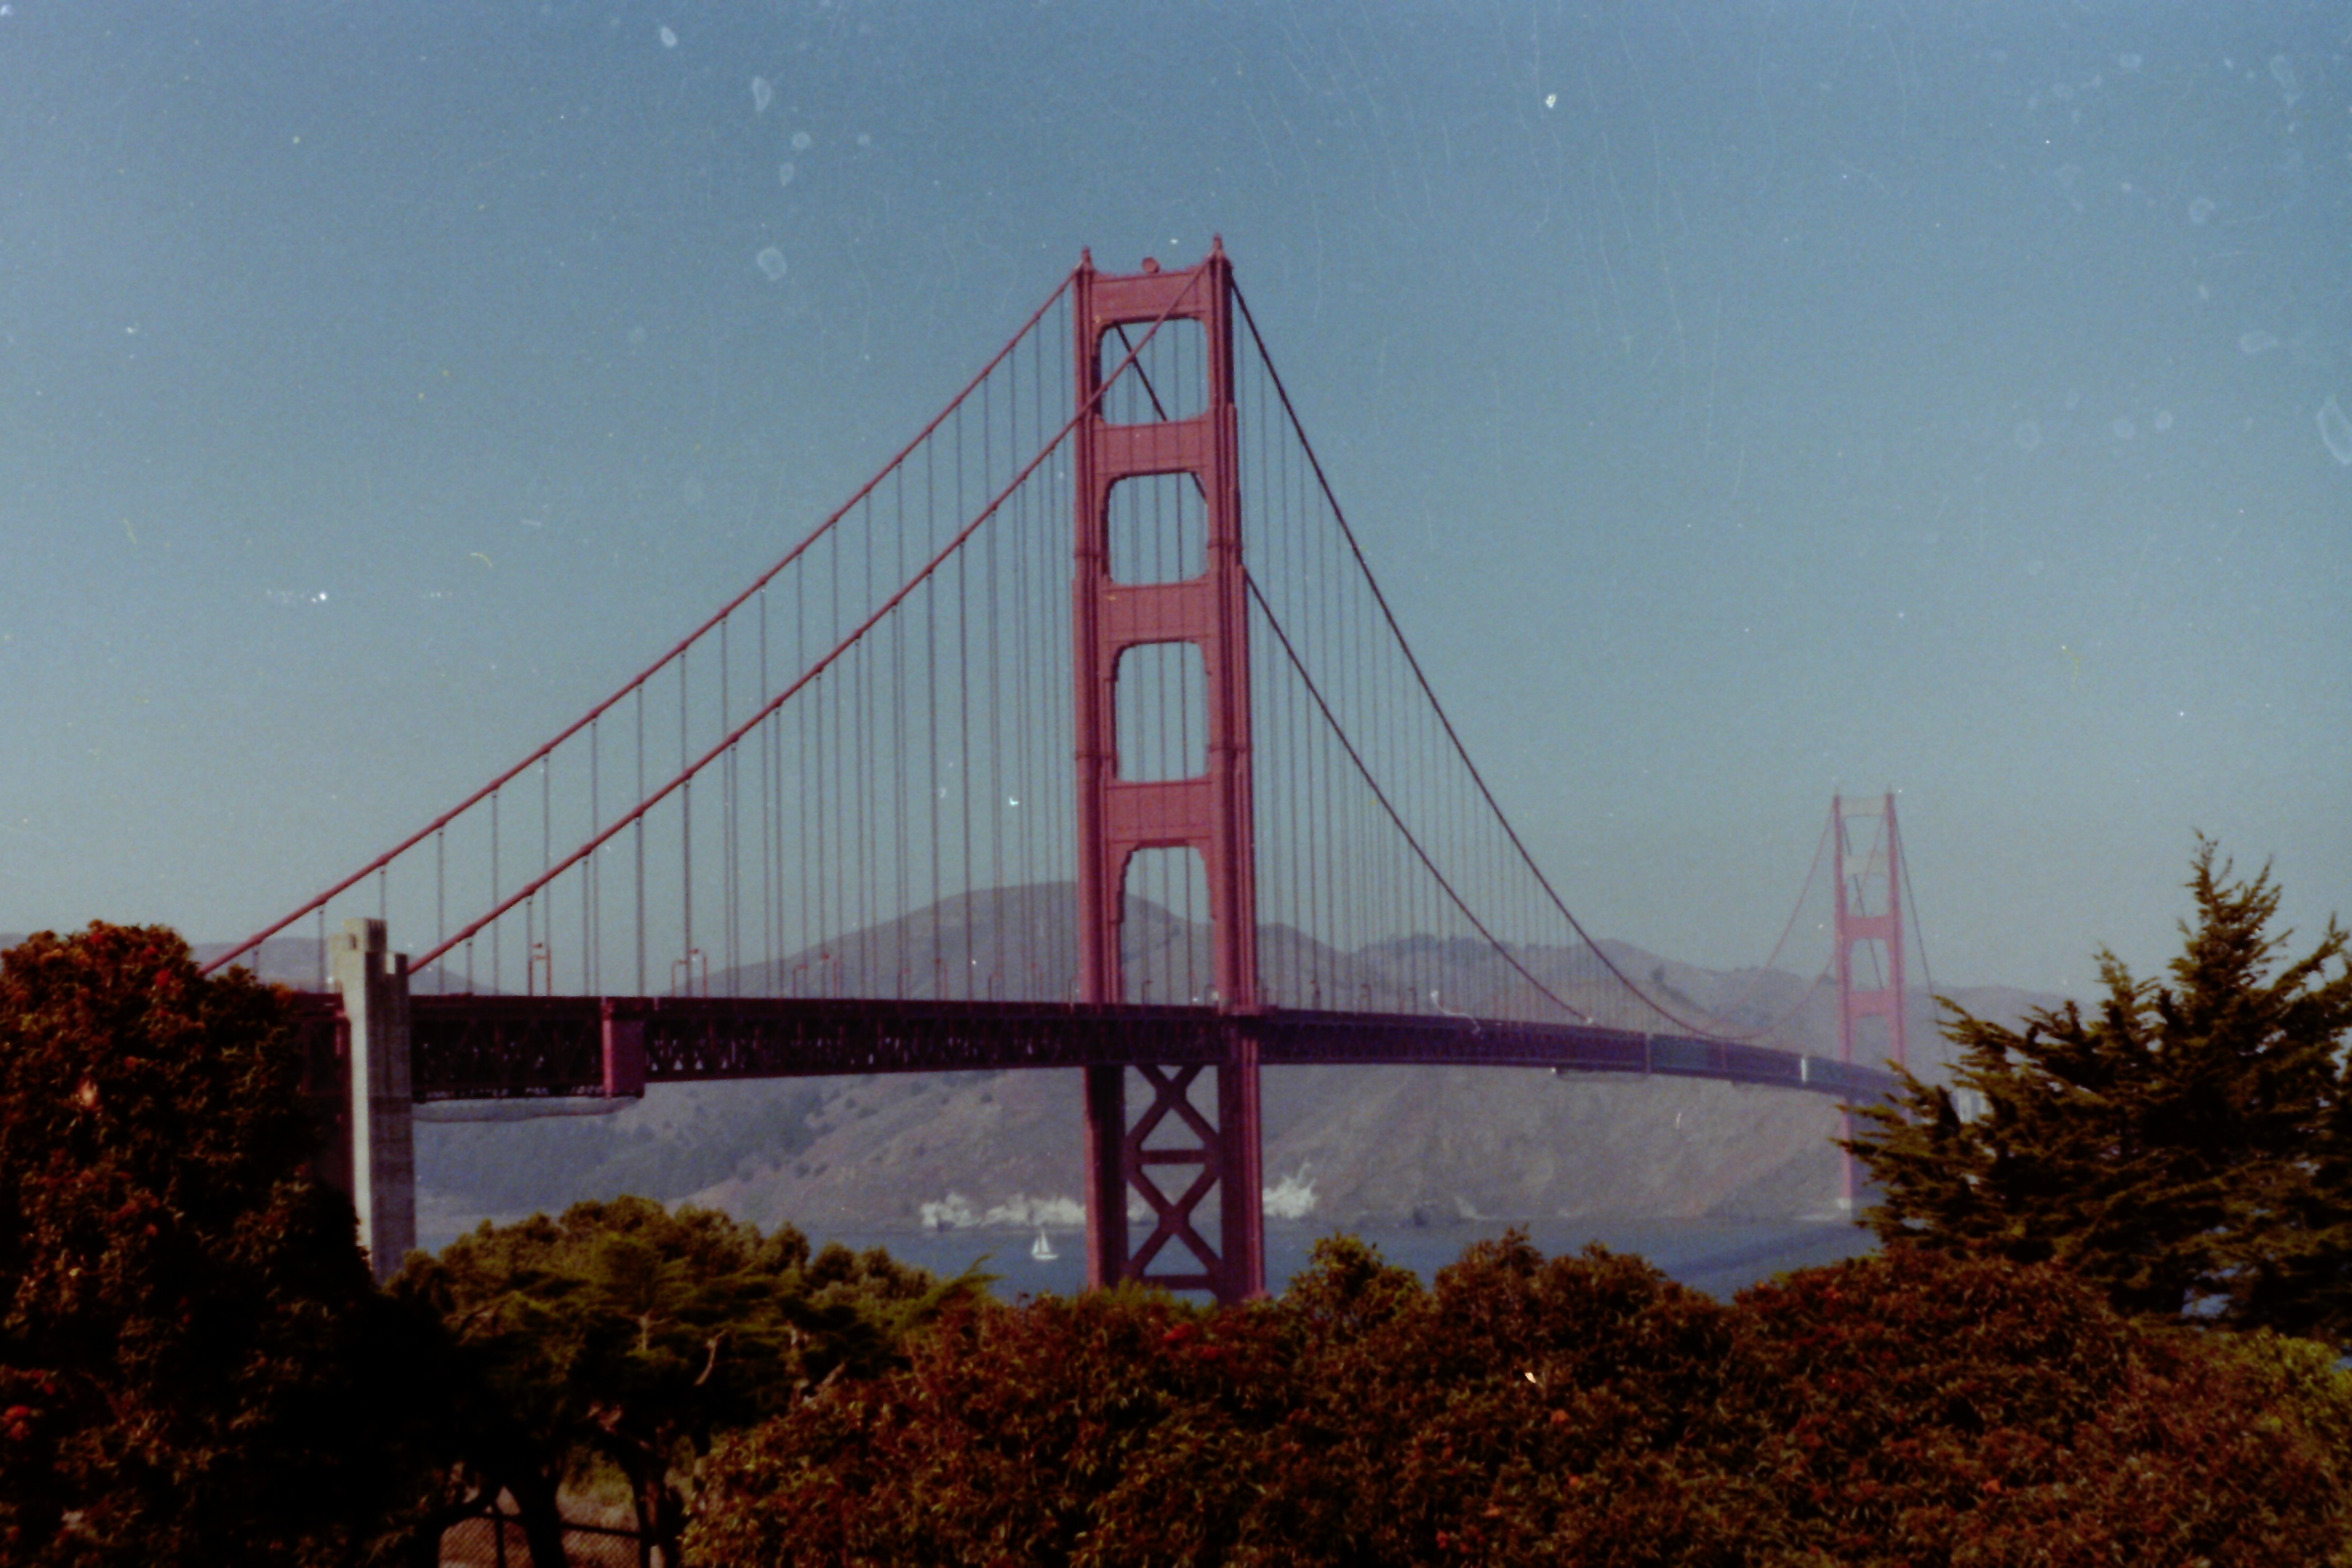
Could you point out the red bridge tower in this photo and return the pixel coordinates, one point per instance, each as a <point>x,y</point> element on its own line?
<point>1869,918</point>
<point>1207,815</point>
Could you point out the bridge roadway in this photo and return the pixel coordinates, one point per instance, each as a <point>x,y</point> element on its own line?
<point>519,1047</point>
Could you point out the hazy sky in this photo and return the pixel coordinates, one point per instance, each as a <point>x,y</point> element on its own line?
<point>1741,402</point>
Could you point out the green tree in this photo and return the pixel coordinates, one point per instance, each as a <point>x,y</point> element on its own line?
<point>194,1364</point>
<point>2186,1147</point>
<point>630,1333</point>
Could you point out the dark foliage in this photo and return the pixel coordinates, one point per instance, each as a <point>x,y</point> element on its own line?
<point>635,1334</point>
<point>1915,1410</point>
<point>1103,1429</point>
<point>1523,1410</point>
<point>193,1360</point>
<point>1923,1408</point>
<point>2185,1147</point>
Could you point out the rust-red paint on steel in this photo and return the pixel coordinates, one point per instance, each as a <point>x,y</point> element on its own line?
<point>1883,998</point>
<point>1882,995</point>
<point>735,737</point>
<point>1209,815</point>
<point>252,942</point>
<point>530,1048</point>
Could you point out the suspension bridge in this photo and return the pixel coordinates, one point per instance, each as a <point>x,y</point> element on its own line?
<point>1081,736</point>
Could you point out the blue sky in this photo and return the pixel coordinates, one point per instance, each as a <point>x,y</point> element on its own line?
<point>1740,402</point>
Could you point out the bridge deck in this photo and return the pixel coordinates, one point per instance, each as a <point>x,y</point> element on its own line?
<point>505,1047</point>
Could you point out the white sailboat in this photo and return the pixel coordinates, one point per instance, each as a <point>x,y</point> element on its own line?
<point>1042,1249</point>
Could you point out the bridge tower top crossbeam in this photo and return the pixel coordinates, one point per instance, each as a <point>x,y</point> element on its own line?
<point>1209,813</point>
<point>1869,869</point>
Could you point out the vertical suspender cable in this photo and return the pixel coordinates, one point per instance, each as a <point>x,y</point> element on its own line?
<point>639,835</point>
<point>935,792</point>
<point>498,970</point>
<point>591,967</point>
<point>898,784</point>
<point>993,696</point>
<point>727,877</point>
<point>767,821</point>
<point>963,711</point>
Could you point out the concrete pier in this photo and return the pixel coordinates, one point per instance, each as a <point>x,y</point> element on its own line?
<point>373,983</point>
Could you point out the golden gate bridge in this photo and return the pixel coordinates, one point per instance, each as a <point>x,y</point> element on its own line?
<point>1081,736</point>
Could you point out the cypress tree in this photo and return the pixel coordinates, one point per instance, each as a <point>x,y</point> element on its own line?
<point>2183,1146</point>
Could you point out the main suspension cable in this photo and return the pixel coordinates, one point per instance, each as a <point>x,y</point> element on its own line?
<point>637,685</point>
<point>946,551</point>
<point>1453,736</point>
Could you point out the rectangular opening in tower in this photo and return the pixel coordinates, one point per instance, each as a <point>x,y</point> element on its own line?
<point>1165,953</point>
<point>1169,379</point>
<point>1865,863</point>
<point>1873,1042</point>
<point>1160,708</point>
<point>1866,889</point>
<point>1871,969</point>
<point>1159,528</point>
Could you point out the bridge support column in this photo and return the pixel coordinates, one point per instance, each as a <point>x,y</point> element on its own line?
<point>1211,814</point>
<point>373,983</point>
<point>1106,1176</point>
<point>1242,1167</point>
<point>1178,1161</point>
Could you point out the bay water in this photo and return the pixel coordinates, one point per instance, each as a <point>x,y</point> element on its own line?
<point>1720,1258</point>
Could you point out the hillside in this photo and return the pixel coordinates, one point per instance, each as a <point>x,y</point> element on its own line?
<point>1375,1146</point>
<point>1388,1145</point>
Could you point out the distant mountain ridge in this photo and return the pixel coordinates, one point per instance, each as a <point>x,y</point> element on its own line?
<point>1381,1146</point>
<point>1343,1146</point>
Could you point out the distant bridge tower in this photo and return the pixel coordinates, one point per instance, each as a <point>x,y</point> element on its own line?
<point>1869,956</point>
<point>1209,814</point>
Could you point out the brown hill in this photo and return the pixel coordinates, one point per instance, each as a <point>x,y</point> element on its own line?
<point>1343,1145</point>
